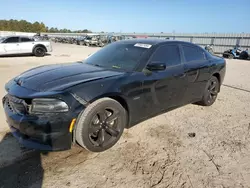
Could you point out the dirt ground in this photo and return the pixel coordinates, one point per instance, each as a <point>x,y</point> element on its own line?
<point>156,153</point>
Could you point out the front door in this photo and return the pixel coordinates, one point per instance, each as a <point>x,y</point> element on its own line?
<point>11,45</point>
<point>165,89</point>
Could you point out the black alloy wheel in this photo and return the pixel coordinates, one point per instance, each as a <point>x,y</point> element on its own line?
<point>39,51</point>
<point>104,127</point>
<point>101,125</point>
<point>211,92</point>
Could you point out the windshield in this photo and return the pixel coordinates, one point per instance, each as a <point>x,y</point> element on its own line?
<point>118,56</point>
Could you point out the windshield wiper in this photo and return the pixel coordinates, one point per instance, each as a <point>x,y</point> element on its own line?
<point>116,67</point>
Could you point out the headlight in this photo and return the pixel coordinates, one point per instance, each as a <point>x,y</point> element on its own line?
<point>44,105</point>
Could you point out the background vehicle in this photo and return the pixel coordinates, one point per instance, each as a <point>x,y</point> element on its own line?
<point>80,40</point>
<point>122,84</point>
<point>94,40</point>
<point>236,52</point>
<point>245,54</point>
<point>24,45</point>
<point>113,38</point>
<point>87,40</point>
<point>209,48</point>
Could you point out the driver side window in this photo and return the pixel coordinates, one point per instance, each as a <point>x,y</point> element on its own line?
<point>168,54</point>
<point>12,40</point>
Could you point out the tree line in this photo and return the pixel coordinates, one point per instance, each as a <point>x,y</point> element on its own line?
<point>36,27</point>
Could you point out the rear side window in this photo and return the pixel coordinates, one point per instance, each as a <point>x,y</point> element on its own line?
<point>26,39</point>
<point>12,40</point>
<point>193,53</point>
<point>168,54</point>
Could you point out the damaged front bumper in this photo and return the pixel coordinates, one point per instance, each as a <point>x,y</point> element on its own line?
<point>46,131</point>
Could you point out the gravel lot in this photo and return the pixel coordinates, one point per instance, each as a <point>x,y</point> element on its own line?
<point>155,153</point>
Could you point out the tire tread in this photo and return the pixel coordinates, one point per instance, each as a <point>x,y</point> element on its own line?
<point>84,115</point>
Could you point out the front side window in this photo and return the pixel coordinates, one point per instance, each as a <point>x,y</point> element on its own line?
<point>168,54</point>
<point>193,53</point>
<point>12,40</point>
<point>117,55</point>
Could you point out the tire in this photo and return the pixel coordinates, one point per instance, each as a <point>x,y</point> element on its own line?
<point>98,121</point>
<point>243,55</point>
<point>211,92</point>
<point>39,51</point>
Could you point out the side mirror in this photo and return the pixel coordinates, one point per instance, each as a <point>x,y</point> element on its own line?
<point>156,66</point>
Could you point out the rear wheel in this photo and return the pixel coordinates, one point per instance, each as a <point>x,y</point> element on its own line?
<point>101,125</point>
<point>243,55</point>
<point>39,51</point>
<point>211,92</point>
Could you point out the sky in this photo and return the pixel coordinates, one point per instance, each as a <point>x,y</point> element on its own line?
<point>149,16</point>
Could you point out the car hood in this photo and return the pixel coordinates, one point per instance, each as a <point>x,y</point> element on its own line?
<point>62,76</point>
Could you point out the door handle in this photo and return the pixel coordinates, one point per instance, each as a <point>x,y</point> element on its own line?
<point>182,75</point>
<point>17,44</point>
<point>192,73</point>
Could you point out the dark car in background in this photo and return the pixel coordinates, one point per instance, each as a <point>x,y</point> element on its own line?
<point>91,102</point>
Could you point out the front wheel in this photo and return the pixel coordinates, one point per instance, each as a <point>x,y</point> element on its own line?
<point>211,92</point>
<point>101,125</point>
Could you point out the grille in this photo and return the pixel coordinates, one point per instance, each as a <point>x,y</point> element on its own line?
<point>16,105</point>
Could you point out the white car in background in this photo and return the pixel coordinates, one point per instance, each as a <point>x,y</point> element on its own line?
<point>12,45</point>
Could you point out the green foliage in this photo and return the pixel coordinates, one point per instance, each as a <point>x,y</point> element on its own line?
<point>36,27</point>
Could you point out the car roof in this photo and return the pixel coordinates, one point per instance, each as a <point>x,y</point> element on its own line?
<point>153,41</point>
<point>146,41</point>
<point>19,36</point>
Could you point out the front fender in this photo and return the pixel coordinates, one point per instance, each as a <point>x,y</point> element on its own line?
<point>39,45</point>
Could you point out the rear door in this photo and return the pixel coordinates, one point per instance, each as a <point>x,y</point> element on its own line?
<point>26,44</point>
<point>11,45</point>
<point>165,89</point>
<point>196,68</point>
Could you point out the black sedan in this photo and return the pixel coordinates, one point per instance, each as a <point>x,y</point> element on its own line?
<point>91,102</point>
